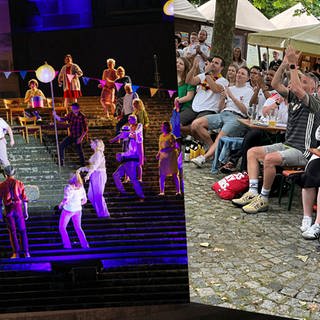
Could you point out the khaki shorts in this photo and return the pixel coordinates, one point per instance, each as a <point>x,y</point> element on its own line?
<point>290,156</point>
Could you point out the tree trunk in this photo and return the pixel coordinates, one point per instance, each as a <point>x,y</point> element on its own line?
<point>223,30</point>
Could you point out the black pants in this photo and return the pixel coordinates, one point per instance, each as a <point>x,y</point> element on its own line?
<point>67,142</point>
<point>121,123</point>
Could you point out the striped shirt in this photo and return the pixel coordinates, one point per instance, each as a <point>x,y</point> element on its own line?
<point>303,120</point>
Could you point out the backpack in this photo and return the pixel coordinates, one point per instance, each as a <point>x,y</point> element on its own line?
<point>230,186</point>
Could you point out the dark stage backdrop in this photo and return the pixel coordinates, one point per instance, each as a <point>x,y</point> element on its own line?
<point>130,33</point>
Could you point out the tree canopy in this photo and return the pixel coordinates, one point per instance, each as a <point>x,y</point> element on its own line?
<point>271,8</point>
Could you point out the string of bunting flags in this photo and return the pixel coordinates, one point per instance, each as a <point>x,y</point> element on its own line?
<point>86,80</point>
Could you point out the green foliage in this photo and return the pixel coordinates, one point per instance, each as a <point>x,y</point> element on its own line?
<point>271,8</point>
<point>198,3</point>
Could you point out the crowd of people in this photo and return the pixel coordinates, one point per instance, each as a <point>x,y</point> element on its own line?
<point>212,107</point>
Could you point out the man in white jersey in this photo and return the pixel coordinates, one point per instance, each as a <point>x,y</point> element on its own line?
<point>233,105</point>
<point>303,120</point>
<point>210,84</point>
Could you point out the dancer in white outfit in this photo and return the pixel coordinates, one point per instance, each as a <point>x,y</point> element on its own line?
<point>74,198</point>
<point>96,173</point>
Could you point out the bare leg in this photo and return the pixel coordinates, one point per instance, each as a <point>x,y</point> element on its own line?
<point>213,147</point>
<point>105,108</point>
<point>112,108</point>
<point>176,181</point>
<point>199,128</point>
<point>185,130</point>
<point>318,208</point>
<point>255,155</point>
<point>139,173</point>
<point>271,160</point>
<point>66,102</point>
<point>162,181</point>
<point>308,198</point>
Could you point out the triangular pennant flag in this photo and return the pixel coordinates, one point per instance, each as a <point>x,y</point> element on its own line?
<point>85,80</point>
<point>23,74</point>
<point>153,91</point>
<point>56,73</point>
<point>70,77</point>
<point>7,74</point>
<point>118,85</point>
<point>135,88</point>
<point>171,93</point>
<point>103,82</point>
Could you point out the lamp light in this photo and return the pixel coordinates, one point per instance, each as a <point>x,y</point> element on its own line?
<point>168,8</point>
<point>46,74</point>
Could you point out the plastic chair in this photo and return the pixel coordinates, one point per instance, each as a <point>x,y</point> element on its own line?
<point>287,175</point>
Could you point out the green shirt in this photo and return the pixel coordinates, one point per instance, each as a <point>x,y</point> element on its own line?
<point>182,91</point>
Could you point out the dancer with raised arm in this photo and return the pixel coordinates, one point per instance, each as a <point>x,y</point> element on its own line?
<point>97,175</point>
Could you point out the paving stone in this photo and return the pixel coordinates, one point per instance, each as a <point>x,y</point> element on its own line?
<point>203,292</point>
<point>260,250</point>
<point>289,292</point>
<point>306,296</point>
<point>276,297</point>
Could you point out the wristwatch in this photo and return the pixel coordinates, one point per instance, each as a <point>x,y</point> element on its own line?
<point>292,66</point>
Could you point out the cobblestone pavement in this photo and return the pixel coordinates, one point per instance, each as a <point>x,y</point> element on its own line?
<point>255,263</point>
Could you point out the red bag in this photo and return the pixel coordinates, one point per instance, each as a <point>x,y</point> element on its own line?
<point>231,185</point>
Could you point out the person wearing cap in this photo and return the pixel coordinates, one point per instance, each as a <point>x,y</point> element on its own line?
<point>131,157</point>
<point>29,99</point>
<point>5,128</point>
<point>78,128</point>
<point>13,196</point>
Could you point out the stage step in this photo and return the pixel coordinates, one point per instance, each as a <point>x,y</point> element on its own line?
<point>138,256</point>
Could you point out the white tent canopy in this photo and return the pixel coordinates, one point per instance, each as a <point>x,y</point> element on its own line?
<point>305,39</point>
<point>248,17</point>
<point>287,19</point>
<point>185,10</point>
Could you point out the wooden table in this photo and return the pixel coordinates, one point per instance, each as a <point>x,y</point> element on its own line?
<point>251,125</point>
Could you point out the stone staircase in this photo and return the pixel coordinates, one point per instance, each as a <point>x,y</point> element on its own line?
<point>137,257</point>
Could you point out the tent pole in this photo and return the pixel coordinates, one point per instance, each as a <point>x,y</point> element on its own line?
<point>259,55</point>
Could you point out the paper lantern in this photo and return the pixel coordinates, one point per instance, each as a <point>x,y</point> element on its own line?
<point>45,73</point>
<point>168,8</point>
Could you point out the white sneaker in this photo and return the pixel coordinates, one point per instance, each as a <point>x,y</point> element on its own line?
<point>312,233</point>
<point>306,223</point>
<point>199,161</point>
